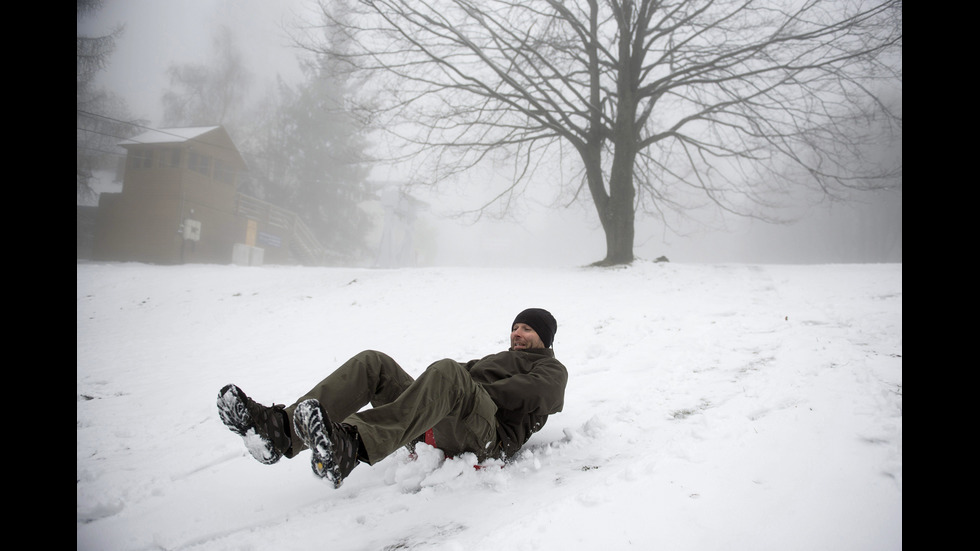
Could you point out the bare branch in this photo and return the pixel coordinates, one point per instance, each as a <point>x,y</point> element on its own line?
<point>740,100</point>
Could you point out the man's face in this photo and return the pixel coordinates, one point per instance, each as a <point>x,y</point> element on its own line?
<point>523,337</point>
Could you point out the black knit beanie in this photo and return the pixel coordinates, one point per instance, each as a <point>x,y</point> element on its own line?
<point>541,321</point>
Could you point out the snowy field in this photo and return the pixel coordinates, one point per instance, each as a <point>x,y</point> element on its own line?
<point>709,407</point>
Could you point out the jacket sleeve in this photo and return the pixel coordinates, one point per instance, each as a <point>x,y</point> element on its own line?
<point>540,391</point>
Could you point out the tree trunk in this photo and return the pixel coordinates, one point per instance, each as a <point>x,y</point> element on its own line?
<point>615,208</point>
<point>618,215</point>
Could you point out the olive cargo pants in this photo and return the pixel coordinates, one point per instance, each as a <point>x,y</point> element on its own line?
<point>444,398</point>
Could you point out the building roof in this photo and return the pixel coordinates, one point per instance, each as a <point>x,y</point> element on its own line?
<point>211,135</point>
<point>168,135</point>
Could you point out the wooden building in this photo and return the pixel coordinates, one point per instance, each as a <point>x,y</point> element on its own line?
<point>180,204</point>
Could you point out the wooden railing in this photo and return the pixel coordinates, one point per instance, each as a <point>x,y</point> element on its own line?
<point>302,242</point>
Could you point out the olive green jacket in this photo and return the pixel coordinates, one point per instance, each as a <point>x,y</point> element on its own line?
<point>527,386</point>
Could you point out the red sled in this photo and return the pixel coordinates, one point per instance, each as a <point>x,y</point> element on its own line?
<point>430,439</point>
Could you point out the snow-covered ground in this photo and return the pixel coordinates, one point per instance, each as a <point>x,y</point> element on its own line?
<point>709,407</point>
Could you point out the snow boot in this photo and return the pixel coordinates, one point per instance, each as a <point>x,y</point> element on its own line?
<point>334,446</point>
<point>264,429</point>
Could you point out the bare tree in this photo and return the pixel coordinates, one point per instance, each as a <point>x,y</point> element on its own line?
<point>733,100</point>
<point>211,93</point>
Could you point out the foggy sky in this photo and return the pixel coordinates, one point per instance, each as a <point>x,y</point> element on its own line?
<point>159,33</point>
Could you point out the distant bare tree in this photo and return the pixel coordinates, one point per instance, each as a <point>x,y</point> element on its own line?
<point>733,100</point>
<point>211,93</point>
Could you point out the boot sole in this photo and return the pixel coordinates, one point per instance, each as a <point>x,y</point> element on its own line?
<point>234,414</point>
<point>311,425</point>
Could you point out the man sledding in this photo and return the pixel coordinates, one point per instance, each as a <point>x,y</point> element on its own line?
<point>489,407</point>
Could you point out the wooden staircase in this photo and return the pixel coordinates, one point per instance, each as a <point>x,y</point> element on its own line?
<point>303,245</point>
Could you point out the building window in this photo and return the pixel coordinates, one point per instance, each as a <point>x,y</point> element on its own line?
<point>223,172</point>
<point>199,162</point>
<point>140,158</point>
